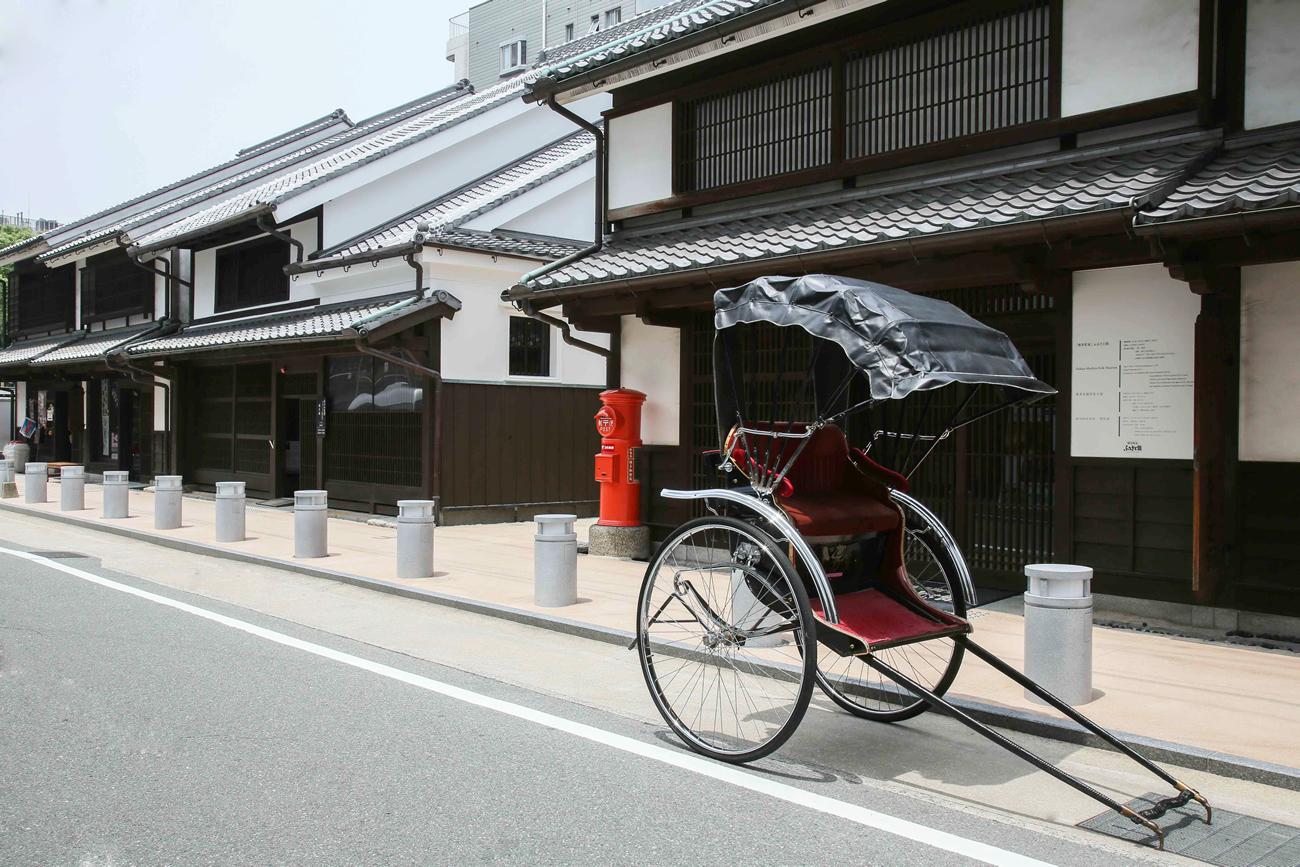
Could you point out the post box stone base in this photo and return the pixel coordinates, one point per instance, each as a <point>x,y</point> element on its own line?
<point>631,542</point>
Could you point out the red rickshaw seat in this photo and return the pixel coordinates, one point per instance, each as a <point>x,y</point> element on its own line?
<point>829,496</point>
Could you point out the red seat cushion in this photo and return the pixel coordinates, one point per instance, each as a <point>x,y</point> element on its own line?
<point>846,513</point>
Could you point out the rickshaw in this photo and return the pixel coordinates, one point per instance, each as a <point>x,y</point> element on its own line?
<point>812,563</point>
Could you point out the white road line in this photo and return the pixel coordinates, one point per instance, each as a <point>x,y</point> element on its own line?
<point>686,761</point>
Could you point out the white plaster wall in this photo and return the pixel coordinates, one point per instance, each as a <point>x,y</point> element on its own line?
<point>1115,52</point>
<point>159,406</point>
<point>641,156</point>
<point>20,403</point>
<point>1270,366</point>
<point>1272,63</point>
<point>569,215</point>
<point>651,363</point>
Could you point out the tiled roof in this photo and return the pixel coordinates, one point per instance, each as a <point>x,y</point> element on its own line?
<point>91,347</point>
<point>324,322</point>
<point>507,244</point>
<point>446,214</point>
<point>323,150</point>
<point>648,30</point>
<point>21,249</point>
<point>340,160</point>
<point>19,353</point>
<point>336,117</point>
<point>1057,186</point>
<point>1242,178</point>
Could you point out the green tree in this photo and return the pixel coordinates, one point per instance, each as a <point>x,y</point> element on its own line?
<point>8,235</point>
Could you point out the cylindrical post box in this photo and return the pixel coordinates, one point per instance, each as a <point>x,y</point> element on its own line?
<point>167,493</point>
<point>415,522</point>
<point>1058,630</point>
<point>619,424</point>
<point>116,485</point>
<point>8,489</point>
<point>72,489</point>
<point>230,511</point>
<point>35,477</point>
<point>310,528</point>
<point>555,561</point>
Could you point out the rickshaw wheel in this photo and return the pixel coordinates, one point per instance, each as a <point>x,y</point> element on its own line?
<point>864,692</point>
<point>722,625</point>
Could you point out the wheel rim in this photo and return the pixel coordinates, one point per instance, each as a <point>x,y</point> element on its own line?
<point>925,662</point>
<point>720,684</point>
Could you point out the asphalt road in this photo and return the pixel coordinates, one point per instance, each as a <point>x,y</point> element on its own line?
<point>136,732</point>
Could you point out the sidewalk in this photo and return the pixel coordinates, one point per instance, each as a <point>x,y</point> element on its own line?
<point>1212,697</point>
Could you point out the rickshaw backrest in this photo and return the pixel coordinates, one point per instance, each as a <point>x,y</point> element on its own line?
<point>820,467</point>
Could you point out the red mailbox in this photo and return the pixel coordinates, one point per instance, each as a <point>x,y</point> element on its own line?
<point>619,424</point>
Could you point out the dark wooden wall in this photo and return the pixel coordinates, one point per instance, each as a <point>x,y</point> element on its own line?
<point>1269,534</point>
<point>512,451</point>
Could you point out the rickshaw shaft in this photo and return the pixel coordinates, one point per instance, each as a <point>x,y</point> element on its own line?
<point>1011,746</point>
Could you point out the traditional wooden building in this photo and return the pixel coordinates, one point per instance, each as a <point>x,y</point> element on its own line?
<point>1111,183</point>
<point>324,312</point>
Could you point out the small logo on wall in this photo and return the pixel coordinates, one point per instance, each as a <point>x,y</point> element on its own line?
<point>1131,446</point>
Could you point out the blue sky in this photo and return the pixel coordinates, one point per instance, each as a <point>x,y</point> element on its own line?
<point>104,99</point>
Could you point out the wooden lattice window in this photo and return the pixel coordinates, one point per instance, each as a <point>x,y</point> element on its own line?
<point>111,286</point>
<point>969,78</point>
<point>780,125</point>
<point>45,299</point>
<point>252,274</point>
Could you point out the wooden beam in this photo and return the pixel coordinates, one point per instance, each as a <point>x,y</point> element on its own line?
<point>1215,408</point>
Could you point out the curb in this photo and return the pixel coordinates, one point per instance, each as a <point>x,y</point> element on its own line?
<point>1012,719</point>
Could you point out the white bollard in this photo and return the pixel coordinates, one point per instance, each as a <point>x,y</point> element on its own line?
<point>116,485</point>
<point>72,489</point>
<point>555,561</point>
<point>167,493</point>
<point>230,511</point>
<point>310,527</point>
<point>415,522</point>
<point>8,487</point>
<point>35,477</point>
<point>1058,630</point>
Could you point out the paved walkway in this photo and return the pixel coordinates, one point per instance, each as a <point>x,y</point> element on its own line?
<point>1235,700</point>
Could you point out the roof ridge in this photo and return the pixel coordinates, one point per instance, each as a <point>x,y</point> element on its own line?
<point>266,144</point>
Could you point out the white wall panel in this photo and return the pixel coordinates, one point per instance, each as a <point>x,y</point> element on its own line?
<point>1270,363</point>
<point>641,156</point>
<point>1116,52</point>
<point>1272,62</point>
<point>651,363</point>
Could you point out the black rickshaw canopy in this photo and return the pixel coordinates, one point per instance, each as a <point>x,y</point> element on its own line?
<point>902,342</point>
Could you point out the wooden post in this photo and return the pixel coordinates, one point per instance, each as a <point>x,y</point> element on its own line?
<point>1215,411</point>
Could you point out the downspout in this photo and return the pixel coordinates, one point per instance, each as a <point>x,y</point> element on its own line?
<point>517,293</point>
<point>172,281</point>
<point>283,236</point>
<point>414,262</point>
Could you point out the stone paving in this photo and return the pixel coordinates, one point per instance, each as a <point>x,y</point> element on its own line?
<point>1236,700</point>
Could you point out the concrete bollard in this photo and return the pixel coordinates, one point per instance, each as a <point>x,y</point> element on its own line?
<point>415,522</point>
<point>116,485</point>
<point>167,502</point>
<point>555,561</point>
<point>8,486</point>
<point>1058,630</point>
<point>310,527</point>
<point>72,489</point>
<point>35,478</point>
<point>230,511</point>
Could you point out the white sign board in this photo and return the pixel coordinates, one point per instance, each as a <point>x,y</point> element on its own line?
<point>1132,364</point>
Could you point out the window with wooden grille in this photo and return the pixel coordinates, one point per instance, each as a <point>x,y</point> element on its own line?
<point>530,347</point>
<point>45,299</point>
<point>778,126</point>
<point>967,79</point>
<point>986,67</point>
<point>111,287</point>
<point>252,274</point>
